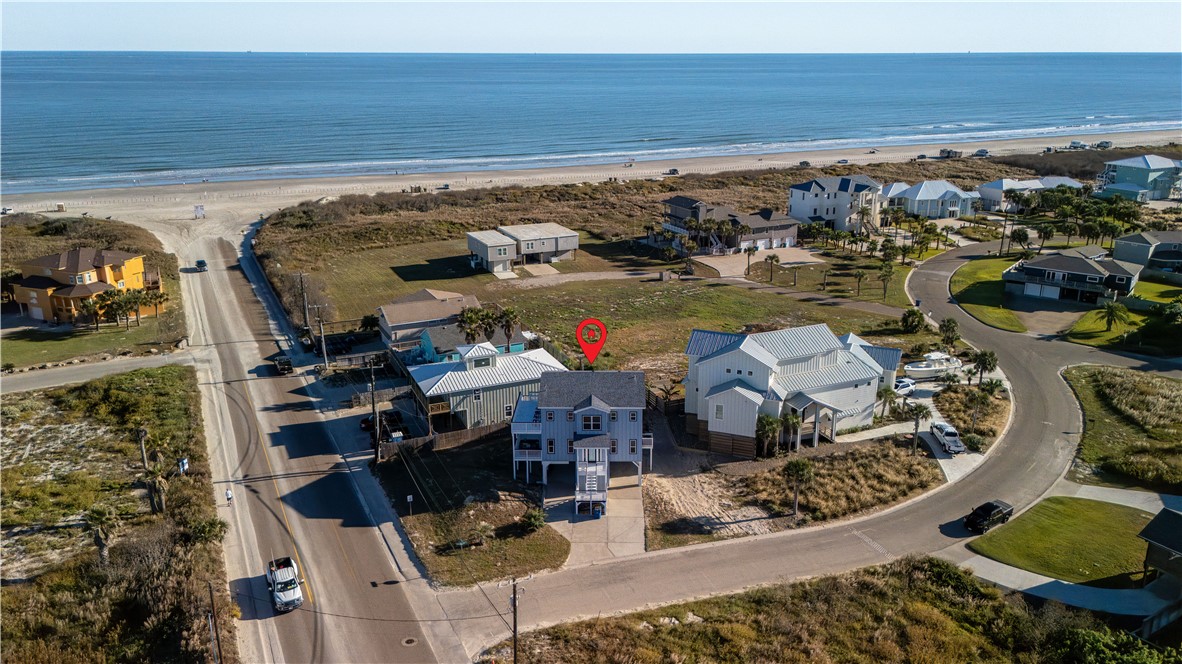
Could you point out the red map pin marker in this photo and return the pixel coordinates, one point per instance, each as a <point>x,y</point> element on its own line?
<point>591,334</point>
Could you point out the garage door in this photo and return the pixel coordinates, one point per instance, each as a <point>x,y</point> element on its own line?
<point>1051,292</point>
<point>1033,289</point>
<point>762,244</point>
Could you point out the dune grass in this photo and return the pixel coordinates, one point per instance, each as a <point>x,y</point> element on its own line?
<point>979,290</point>
<point>1073,539</point>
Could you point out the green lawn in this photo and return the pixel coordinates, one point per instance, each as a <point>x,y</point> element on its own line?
<point>980,233</point>
<point>978,288</point>
<point>1140,447</point>
<point>1090,329</point>
<point>1073,539</point>
<point>841,281</point>
<point>35,346</point>
<point>1157,292</point>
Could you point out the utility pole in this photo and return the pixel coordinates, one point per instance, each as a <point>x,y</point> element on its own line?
<point>373,403</point>
<point>304,295</point>
<point>214,617</point>
<point>323,343</point>
<point>513,602</point>
<point>142,434</point>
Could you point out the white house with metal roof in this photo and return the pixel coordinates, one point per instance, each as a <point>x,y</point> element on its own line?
<point>993,195</point>
<point>934,199</point>
<point>1145,178</point>
<point>836,202</point>
<point>480,388</point>
<point>734,378</point>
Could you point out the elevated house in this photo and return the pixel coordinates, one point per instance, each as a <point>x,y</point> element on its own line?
<point>53,287</point>
<point>716,228</point>
<point>1163,553</point>
<point>734,378</point>
<point>479,388</point>
<point>401,321</point>
<point>492,251</point>
<point>589,418</point>
<point>993,194</point>
<point>932,199</point>
<point>1082,274</point>
<point>1157,250</point>
<point>1145,178</point>
<point>499,250</point>
<point>837,202</point>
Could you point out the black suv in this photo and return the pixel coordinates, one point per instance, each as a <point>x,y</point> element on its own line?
<point>992,513</point>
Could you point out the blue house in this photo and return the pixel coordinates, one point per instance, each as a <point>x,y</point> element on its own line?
<point>1145,178</point>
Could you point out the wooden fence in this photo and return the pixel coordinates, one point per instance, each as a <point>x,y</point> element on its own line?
<point>672,406</point>
<point>440,441</point>
<point>381,396</point>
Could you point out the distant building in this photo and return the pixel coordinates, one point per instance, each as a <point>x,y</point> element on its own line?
<point>716,227</point>
<point>836,202</point>
<point>492,251</point>
<point>408,315</point>
<point>993,193</point>
<point>500,250</point>
<point>479,388</point>
<point>933,199</point>
<point>53,287</point>
<point>589,418</point>
<point>1158,250</point>
<point>1081,274</point>
<point>1145,178</point>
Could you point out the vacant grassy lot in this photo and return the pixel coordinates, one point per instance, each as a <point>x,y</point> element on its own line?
<point>840,280</point>
<point>1132,427</point>
<point>69,449</point>
<point>846,483</point>
<point>979,289</point>
<point>1073,539</point>
<point>1090,330</point>
<point>953,404</point>
<point>467,494</point>
<point>911,610</point>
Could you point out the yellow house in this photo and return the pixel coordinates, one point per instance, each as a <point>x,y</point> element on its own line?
<point>52,287</point>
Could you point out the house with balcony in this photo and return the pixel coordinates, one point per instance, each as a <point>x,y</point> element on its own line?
<point>591,419</point>
<point>715,228</point>
<point>993,194</point>
<point>837,202</point>
<point>932,199</point>
<point>1145,178</point>
<point>498,251</point>
<point>401,321</point>
<point>492,251</point>
<point>1156,250</point>
<point>1082,274</point>
<point>53,287</point>
<point>479,388</point>
<point>734,378</point>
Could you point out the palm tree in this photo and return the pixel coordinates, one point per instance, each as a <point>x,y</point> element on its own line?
<point>872,247</point>
<point>469,323</point>
<point>159,297</point>
<point>509,319</point>
<point>948,379</point>
<point>864,212</point>
<point>991,387</point>
<point>489,322</point>
<point>920,412</point>
<point>90,307</point>
<point>772,261</point>
<point>790,423</point>
<point>976,400</point>
<point>1020,236</point>
<point>767,430</point>
<point>741,230</point>
<point>984,361</point>
<point>1114,312</point>
<point>102,522</point>
<point>1045,232</point>
<point>799,471</point>
<point>859,275</point>
<point>134,299</point>
<point>886,274</point>
<point>889,397</point>
<point>750,251</point>
<point>949,331</point>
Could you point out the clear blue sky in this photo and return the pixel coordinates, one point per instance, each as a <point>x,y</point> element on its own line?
<point>596,27</point>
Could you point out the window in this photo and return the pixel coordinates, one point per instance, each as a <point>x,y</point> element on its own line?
<point>529,246</point>
<point>502,251</point>
<point>592,422</point>
<point>570,446</point>
<point>476,395</point>
<point>508,411</point>
<point>613,416</point>
<point>1120,280</point>
<point>121,283</point>
<point>549,416</point>
<point>615,445</point>
<point>728,370</point>
<point>718,412</point>
<point>748,373</point>
<point>481,362</point>
<point>570,416</point>
<point>632,416</point>
<point>632,446</point>
<point>550,446</point>
<point>1093,279</point>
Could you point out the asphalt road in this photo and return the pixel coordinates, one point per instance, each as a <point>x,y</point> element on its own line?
<point>293,493</point>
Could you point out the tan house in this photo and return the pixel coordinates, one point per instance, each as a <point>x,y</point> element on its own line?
<point>52,287</point>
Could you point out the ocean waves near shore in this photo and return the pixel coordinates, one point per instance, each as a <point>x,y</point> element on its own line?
<point>121,119</point>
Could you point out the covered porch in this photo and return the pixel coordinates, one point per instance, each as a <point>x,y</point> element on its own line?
<point>817,420</point>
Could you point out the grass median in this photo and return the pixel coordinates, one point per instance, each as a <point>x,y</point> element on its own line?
<point>979,290</point>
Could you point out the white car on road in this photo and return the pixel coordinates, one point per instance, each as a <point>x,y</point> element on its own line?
<point>948,437</point>
<point>904,386</point>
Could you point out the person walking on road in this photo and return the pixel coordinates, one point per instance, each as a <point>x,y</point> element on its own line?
<point>229,498</point>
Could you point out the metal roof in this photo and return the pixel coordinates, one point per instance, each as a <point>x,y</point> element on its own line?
<point>523,232</point>
<point>491,238</point>
<point>893,189</point>
<point>508,369</point>
<point>1052,181</point>
<point>845,402</point>
<point>848,369</point>
<point>476,350</point>
<point>930,190</point>
<point>740,387</point>
<point>573,389</point>
<point>704,342</point>
<point>798,341</point>
<point>1147,161</point>
<point>749,346</point>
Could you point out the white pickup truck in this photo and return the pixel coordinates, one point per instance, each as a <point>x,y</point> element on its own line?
<point>283,580</point>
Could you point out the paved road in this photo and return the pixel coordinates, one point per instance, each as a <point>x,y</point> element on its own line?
<point>80,373</point>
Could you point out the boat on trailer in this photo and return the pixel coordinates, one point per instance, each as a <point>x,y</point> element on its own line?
<point>933,365</point>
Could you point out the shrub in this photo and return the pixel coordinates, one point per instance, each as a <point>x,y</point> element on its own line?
<point>534,519</point>
<point>975,442</point>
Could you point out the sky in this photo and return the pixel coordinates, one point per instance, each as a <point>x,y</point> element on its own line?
<point>595,27</point>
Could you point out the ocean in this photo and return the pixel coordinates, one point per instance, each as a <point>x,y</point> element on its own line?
<point>77,120</point>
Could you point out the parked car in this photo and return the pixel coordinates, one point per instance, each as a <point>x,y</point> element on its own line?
<point>981,153</point>
<point>948,437</point>
<point>805,164</point>
<point>872,151</point>
<point>992,513</point>
<point>283,364</point>
<point>1104,145</point>
<point>922,156</point>
<point>5,210</point>
<point>843,161</point>
<point>672,171</point>
<point>904,386</point>
<point>201,265</point>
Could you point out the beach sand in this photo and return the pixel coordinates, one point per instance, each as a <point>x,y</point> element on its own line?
<point>243,201</point>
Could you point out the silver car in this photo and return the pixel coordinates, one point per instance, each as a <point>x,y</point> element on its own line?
<point>948,437</point>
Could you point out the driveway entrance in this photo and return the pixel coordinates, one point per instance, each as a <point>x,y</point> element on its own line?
<point>620,532</point>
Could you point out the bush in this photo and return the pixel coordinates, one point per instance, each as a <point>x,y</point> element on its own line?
<point>534,519</point>
<point>975,442</point>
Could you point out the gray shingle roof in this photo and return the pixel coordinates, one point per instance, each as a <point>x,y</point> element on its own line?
<point>1152,237</point>
<point>682,201</point>
<point>1147,161</point>
<point>1164,530</point>
<point>848,183</point>
<point>618,389</point>
<point>1066,263</point>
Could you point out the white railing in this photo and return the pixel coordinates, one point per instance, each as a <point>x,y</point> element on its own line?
<point>527,455</point>
<point>591,496</point>
<point>646,441</point>
<point>527,427</point>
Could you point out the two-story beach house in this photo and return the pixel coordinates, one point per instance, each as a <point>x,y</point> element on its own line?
<point>498,251</point>
<point>933,199</point>
<point>1157,250</point>
<point>735,378</point>
<point>846,203</point>
<point>53,287</point>
<point>993,194</point>
<point>589,418</point>
<point>716,228</point>
<point>1081,274</point>
<point>1145,178</point>
<point>480,387</point>
<point>401,321</point>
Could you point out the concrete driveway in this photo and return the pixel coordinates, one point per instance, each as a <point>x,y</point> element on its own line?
<point>620,532</point>
<point>735,265</point>
<point>1043,316</point>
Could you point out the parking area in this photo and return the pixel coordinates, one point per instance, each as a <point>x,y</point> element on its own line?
<point>620,532</point>
<point>735,265</point>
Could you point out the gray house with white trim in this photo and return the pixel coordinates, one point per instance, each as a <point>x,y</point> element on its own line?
<point>1081,274</point>
<point>1158,250</point>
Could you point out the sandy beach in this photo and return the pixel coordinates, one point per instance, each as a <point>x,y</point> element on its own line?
<point>244,200</point>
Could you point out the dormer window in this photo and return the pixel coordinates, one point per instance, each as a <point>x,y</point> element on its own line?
<point>480,362</point>
<point>592,422</point>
